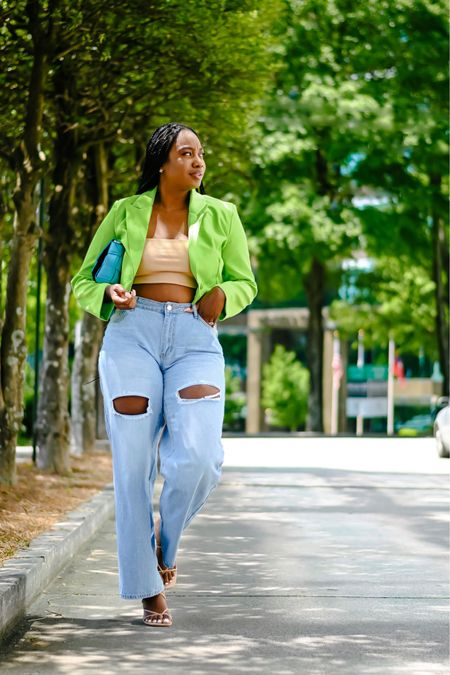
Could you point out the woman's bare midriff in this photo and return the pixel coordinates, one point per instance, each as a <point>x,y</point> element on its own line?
<point>165,292</point>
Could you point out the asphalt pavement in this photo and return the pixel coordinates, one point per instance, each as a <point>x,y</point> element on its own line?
<point>312,556</point>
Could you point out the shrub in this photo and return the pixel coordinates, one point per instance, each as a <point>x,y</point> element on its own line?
<point>285,388</point>
<point>234,401</point>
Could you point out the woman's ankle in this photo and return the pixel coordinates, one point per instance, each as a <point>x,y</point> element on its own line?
<point>158,599</point>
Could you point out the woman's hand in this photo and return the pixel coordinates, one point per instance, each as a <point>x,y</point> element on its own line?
<point>121,298</point>
<point>211,304</point>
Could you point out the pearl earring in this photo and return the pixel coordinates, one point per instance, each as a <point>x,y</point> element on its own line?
<point>160,171</point>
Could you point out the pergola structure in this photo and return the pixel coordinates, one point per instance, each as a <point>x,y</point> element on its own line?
<point>258,325</point>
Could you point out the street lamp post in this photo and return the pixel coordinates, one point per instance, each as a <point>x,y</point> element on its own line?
<point>390,388</point>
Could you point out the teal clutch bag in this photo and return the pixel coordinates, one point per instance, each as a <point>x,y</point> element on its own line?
<point>108,266</point>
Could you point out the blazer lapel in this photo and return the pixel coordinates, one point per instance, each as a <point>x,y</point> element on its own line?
<point>138,211</point>
<point>197,203</point>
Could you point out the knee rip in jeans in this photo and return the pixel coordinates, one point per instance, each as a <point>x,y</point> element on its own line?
<point>131,406</point>
<point>198,392</point>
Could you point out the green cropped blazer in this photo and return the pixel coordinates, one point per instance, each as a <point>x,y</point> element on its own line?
<point>217,248</point>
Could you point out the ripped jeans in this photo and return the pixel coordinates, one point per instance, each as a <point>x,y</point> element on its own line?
<point>155,351</point>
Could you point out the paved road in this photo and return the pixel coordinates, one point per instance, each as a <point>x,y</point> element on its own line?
<point>312,556</point>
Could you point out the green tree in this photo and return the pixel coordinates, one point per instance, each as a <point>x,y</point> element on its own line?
<point>234,400</point>
<point>395,299</point>
<point>28,32</point>
<point>408,164</point>
<point>285,387</point>
<point>115,72</point>
<point>317,117</point>
<point>352,115</point>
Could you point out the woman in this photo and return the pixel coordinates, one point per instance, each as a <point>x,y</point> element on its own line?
<point>186,266</point>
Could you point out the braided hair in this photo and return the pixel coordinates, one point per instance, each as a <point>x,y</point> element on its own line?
<point>157,152</point>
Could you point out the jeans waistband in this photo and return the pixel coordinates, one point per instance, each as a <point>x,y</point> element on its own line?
<point>161,307</point>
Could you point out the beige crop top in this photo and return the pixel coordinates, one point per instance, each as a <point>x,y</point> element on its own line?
<point>165,261</point>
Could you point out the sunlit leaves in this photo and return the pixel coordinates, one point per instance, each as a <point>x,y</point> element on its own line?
<point>383,302</point>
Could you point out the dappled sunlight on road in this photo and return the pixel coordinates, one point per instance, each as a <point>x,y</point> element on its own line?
<point>338,570</point>
<point>229,638</point>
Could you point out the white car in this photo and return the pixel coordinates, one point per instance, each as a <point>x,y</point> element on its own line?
<point>442,432</point>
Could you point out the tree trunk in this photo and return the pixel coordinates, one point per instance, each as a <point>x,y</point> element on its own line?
<point>53,415</point>
<point>84,403</point>
<point>28,165</point>
<point>53,427</point>
<point>314,288</point>
<point>441,278</point>
<point>13,345</point>
<point>89,333</point>
<point>53,411</point>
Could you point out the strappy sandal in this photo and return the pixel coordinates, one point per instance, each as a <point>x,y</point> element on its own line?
<point>168,581</point>
<point>159,619</point>
<point>171,581</point>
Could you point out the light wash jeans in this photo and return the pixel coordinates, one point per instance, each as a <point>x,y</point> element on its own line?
<point>154,350</point>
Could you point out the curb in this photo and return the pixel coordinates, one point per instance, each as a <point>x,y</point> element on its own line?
<point>24,576</point>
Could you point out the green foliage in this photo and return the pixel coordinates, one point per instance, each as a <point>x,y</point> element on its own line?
<point>234,401</point>
<point>129,67</point>
<point>383,302</point>
<point>318,117</point>
<point>351,155</point>
<point>126,68</point>
<point>285,388</point>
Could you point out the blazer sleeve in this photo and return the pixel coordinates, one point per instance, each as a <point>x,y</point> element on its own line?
<point>89,293</point>
<point>238,283</point>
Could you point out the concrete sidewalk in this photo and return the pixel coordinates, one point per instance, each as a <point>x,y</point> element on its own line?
<point>313,568</point>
